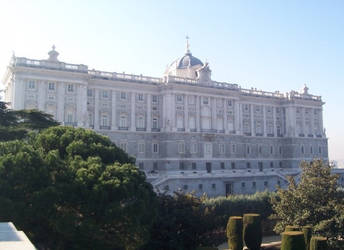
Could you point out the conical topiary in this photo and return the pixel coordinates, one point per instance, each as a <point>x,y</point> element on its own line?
<point>318,243</point>
<point>234,233</point>
<point>293,240</point>
<point>307,233</point>
<point>252,231</point>
<point>292,228</point>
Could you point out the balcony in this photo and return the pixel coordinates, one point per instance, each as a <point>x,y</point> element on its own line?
<point>122,128</point>
<point>155,129</point>
<point>140,129</point>
<point>105,127</point>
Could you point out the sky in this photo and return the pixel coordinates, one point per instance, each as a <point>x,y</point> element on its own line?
<point>265,44</point>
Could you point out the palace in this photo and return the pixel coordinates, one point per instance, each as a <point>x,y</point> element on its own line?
<point>186,130</point>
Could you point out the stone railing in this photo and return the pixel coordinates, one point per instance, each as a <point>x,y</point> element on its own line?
<point>261,93</point>
<point>124,77</point>
<point>297,95</point>
<point>22,61</point>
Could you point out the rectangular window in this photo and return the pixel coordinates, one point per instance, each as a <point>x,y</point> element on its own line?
<point>213,186</point>
<point>222,165</point>
<point>222,148</point>
<point>141,165</point>
<point>155,99</point>
<point>89,92</point>
<point>193,165</point>
<point>233,165</point>
<point>140,97</point>
<point>233,148</point>
<point>70,88</point>
<point>155,148</point>
<point>253,184</point>
<point>181,147</point>
<point>155,166</point>
<point>243,184</point>
<point>123,95</point>
<point>155,123</point>
<point>180,98</point>
<point>200,186</point>
<point>229,103</point>
<point>191,100</point>
<point>141,147</point>
<point>181,165</point>
<point>105,94</point>
<point>205,100</point>
<point>248,165</point>
<point>194,148</point>
<point>266,183</point>
<point>123,146</point>
<point>51,86</point>
<point>260,166</point>
<point>32,85</point>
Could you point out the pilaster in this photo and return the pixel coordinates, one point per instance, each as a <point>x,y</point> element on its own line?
<point>60,102</point>
<point>252,120</point>
<point>132,112</point>
<point>198,103</point>
<point>264,121</point>
<point>96,109</point>
<point>41,90</point>
<point>149,113</point>
<point>113,111</point>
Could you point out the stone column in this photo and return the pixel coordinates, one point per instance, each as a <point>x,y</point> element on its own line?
<point>60,102</point>
<point>81,105</point>
<point>198,101</point>
<point>264,121</point>
<point>225,110</point>
<point>18,93</point>
<point>41,87</point>
<point>186,114</point>
<point>237,117</point>
<point>252,120</point>
<point>290,121</point>
<point>132,112</point>
<point>173,112</point>
<point>213,113</point>
<point>321,125</point>
<point>113,111</point>
<point>96,109</point>
<point>275,120</point>
<point>149,112</point>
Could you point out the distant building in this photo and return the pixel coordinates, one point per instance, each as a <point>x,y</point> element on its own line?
<point>186,131</point>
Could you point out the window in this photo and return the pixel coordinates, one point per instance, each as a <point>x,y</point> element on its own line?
<point>141,147</point>
<point>90,119</point>
<point>280,164</point>
<point>32,85</point>
<point>104,120</point>
<point>233,148</point>
<point>302,149</point>
<point>193,165</point>
<point>141,165</point>
<point>194,148</point>
<point>140,97</point>
<point>89,92</point>
<point>222,148</point>
<point>229,103</point>
<point>200,186</point>
<point>155,147</point>
<point>70,88</point>
<point>272,164</point>
<point>319,150</point>
<point>70,117</point>
<point>191,100</point>
<point>51,86</point>
<point>208,148</point>
<point>271,149</point>
<point>205,100</point>
<point>181,165</point>
<point>260,149</point>
<point>248,165</point>
<point>279,183</point>
<point>123,146</point>
<point>213,186</point>
<point>280,150</point>
<point>233,165</point>
<point>222,165</point>
<point>123,95</point>
<point>260,166</point>
<point>180,98</point>
<point>105,94</point>
<point>266,183</point>
<point>243,184</point>
<point>254,184</point>
<point>140,122</point>
<point>155,99</point>
<point>185,187</point>
<point>311,150</point>
<point>248,149</point>
<point>181,147</point>
<point>155,123</point>
<point>123,121</point>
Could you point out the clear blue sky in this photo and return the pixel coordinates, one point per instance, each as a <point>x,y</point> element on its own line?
<point>271,45</point>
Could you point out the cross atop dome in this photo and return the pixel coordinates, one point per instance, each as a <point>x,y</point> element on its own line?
<point>187,45</point>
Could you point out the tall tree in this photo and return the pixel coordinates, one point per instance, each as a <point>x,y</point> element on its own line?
<point>315,200</point>
<point>74,189</point>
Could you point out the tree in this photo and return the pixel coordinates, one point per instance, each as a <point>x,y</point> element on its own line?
<point>74,189</point>
<point>17,124</point>
<point>315,201</point>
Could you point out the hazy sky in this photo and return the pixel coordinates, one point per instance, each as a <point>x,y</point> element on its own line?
<point>269,45</point>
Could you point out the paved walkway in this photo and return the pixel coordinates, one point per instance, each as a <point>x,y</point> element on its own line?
<point>266,239</point>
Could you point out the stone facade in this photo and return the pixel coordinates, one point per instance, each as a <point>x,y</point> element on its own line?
<point>186,131</point>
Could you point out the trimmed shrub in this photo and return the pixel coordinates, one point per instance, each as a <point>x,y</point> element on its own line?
<point>252,231</point>
<point>234,233</point>
<point>318,243</point>
<point>307,233</point>
<point>292,228</point>
<point>206,248</point>
<point>293,240</point>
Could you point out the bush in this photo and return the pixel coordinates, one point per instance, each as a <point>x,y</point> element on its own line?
<point>252,231</point>
<point>307,232</point>
<point>293,241</point>
<point>318,243</point>
<point>234,232</point>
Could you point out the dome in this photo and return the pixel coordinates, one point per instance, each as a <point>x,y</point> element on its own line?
<point>188,60</point>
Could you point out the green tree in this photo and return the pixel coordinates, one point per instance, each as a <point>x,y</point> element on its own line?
<point>74,189</point>
<point>314,201</point>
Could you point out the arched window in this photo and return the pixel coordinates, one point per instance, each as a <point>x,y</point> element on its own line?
<point>155,123</point>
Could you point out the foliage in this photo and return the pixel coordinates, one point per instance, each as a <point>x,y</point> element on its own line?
<point>252,231</point>
<point>181,220</point>
<point>292,228</point>
<point>74,189</point>
<point>293,240</point>
<point>314,201</point>
<point>318,243</point>
<point>17,124</point>
<point>235,232</point>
